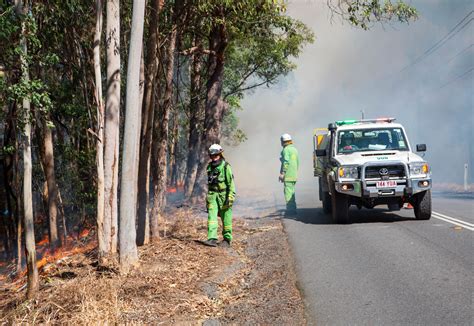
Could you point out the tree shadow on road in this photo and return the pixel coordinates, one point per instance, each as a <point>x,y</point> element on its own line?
<point>317,216</point>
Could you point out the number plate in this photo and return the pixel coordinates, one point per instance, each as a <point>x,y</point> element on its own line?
<point>386,184</point>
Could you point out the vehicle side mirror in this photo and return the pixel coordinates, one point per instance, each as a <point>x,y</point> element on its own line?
<point>321,152</point>
<point>421,148</point>
<point>332,126</point>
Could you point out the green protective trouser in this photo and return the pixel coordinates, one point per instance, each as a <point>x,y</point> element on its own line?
<point>215,207</point>
<point>289,191</point>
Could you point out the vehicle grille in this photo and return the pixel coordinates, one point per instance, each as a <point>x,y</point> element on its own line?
<point>394,171</point>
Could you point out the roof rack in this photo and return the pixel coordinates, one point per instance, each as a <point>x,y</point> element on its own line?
<point>351,122</point>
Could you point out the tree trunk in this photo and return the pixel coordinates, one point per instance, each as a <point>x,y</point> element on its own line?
<point>102,235</point>
<point>195,125</point>
<point>112,128</point>
<point>173,179</point>
<point>4,207</point>
<point>18,202</point>
<point>214,104</point>
<point>160,146</point>
<point>128,196</point>
<point>47,158</point>
<point>63,215</point>
<point>30,246</point>
<point>174,145</point>
<point>143,230</point>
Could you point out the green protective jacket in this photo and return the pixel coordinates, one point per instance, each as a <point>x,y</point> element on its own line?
<point>221,179</point>
<point>290,163</point>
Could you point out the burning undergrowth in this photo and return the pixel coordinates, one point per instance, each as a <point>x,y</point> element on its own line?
<point>74,243</point>
<point>179,281</point>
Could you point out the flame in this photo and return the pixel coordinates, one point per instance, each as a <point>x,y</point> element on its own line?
<point>43,261</point>
<point>84,233</point>
<point>178,187</point>
<point>43,241</point>
<point>70,247</point>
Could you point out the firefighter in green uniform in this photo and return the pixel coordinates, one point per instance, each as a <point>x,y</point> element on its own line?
<point>289,172</point>
<point>220,197</point>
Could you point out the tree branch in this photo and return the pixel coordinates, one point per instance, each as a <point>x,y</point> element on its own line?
<point>196,49</point>
<point>240,90</point>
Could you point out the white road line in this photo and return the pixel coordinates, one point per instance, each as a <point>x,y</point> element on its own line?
<point>452,218</point>
<point>451,221</point>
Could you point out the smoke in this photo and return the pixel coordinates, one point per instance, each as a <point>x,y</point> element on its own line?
<point>348,70</point>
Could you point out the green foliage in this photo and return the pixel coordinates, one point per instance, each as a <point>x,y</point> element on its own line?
<point>260,57</point>
<point>233,136</point>
<point>9,22</point>
<point>363,13</point>
<point>59,38</point>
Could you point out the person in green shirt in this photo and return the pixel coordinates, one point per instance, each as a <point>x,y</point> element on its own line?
<point>289,172</point>
<point>220,197</point>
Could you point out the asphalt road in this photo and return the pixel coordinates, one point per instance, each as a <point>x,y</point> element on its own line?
<point>385,268</point>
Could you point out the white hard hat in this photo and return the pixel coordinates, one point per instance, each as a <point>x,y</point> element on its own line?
<point>215,149</point>
<point>285,137</point>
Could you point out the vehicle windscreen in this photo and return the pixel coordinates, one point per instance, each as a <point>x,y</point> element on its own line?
<point>362,140</point>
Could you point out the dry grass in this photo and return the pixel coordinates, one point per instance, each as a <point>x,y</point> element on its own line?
<point>166,288</point>
<point>179,281</point>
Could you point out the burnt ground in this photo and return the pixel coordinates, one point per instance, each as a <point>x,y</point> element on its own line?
<point>178,281</point>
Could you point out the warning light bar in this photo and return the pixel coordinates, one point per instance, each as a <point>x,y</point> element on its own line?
<point>351,122</point>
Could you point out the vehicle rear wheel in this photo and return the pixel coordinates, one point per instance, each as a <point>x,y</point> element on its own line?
<point>340,207</point>
<point>422,205</point>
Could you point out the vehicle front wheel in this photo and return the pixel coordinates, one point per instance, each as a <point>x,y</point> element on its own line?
<point>422,205</point>
<point>340,207</point>
<point>327,205</point>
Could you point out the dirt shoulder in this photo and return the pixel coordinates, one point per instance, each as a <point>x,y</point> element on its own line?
<point>179,281</point>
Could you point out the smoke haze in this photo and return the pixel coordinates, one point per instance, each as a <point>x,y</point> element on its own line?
<point>348,70</point>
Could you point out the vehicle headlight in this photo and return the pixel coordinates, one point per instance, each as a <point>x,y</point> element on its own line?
<point>348,172</point>
<point>419,169</point>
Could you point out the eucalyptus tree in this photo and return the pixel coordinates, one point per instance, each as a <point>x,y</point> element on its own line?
<point>101,235</point>
<point>112,127</point>
<point>30,246</point>
<point>148,115</point>
<point>129,177</point>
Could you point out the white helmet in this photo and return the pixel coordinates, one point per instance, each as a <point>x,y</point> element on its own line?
<point>215,149</point>
<point>285,138</point>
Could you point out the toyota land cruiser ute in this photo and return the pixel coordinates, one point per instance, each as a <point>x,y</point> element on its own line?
<point>367,163</point>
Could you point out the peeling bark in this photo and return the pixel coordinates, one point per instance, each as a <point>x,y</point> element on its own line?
<point>101,233</point>
<point>112,128</point>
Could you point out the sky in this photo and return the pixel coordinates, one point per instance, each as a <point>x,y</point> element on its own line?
<point>348,70</point>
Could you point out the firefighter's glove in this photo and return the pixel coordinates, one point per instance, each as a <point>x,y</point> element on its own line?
<point>281,178</point>
<point>229,202</point>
